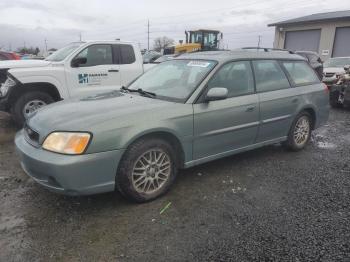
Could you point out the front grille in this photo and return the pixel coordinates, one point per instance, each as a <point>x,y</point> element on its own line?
<point>31,136</point>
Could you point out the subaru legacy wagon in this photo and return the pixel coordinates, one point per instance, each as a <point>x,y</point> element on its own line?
<point>193,109</point>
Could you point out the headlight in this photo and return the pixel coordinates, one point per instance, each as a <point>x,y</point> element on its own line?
<point>6,86</point>
<point>72,143</point>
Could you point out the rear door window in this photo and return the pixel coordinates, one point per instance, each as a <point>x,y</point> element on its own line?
<point>300,73</point>
<point>269,76</point>
<point>127,54</point>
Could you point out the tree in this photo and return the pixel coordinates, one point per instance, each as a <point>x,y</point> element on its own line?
<point>30,50</point>
<point>162,42</point>
<point>36,51</point>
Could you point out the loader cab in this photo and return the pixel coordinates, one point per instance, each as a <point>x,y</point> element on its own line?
<point>207,39</point>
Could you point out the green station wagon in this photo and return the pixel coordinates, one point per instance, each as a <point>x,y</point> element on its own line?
<point>184,112</point>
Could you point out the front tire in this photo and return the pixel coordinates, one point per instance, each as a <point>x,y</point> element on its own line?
<point>27,104</point>
<point>147,170</point>
<point>300,132</point>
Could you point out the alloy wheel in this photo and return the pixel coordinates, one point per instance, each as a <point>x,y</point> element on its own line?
<point>302,131</point>
<point>151,171</point>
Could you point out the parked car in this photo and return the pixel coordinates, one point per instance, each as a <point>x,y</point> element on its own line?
<point>187,111</point>
<point>8,56</point>
<point>314,60</point>
<point>150,56</point>
<point>165,58</point>
<point>340,92</point>
<point>73,71</point>
<point>333,69</point>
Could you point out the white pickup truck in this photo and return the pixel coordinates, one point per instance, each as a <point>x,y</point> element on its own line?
<point>77,70</point>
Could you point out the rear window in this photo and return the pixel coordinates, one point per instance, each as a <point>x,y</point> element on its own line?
<point>301,73</point>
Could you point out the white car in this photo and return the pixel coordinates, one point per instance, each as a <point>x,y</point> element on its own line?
<point>77,70</point>
<point>333,69</point>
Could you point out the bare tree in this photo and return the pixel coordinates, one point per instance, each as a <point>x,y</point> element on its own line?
<point>162,42</point>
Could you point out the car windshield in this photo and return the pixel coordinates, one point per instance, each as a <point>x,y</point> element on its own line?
<point>174,80</point>
<point>62,53</point>
<point>337,62</point>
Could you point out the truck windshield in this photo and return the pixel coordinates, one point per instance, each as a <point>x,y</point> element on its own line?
<point>62,53</point>
<point>337,62</point>
<point>174,80</point>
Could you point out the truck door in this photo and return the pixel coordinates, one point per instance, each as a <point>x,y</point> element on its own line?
<point>96,73</point>
<point>130,65</point>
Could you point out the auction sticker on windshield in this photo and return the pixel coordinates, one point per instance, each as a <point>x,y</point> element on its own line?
<point>199,63</point>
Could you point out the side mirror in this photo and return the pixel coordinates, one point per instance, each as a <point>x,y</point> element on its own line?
<point>346,68</point>
<point>216,93</point>
<point>77,61</point>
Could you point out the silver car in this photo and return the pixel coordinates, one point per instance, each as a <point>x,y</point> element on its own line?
<point>181,113</point>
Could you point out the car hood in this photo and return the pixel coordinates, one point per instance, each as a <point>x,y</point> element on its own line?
<point>87,114</point>
<point>23,63</point>
<point>334,70</point>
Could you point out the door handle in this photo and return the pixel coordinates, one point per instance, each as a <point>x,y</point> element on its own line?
<point>295,100</point>
<point>113,70</point>
<point>250,108</point>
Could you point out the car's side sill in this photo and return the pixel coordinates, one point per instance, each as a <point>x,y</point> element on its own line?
<point>232,152</point>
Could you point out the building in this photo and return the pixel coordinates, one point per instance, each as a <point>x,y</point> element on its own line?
<point>326,33</point>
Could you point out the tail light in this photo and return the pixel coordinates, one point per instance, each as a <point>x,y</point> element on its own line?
<point>326,88</point>
<point>16,57</point>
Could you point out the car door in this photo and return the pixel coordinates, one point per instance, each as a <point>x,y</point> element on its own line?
<point>278,101</point>
<point>226,125</point>
<point>129,67</point>
<point>99,74</point>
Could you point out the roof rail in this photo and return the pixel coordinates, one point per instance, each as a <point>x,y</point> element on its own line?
<point>268,49</point>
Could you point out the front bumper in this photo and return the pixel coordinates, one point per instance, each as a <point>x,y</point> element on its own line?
<point>70,175</point>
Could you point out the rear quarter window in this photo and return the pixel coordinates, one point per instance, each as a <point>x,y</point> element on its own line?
<point>300,73</point>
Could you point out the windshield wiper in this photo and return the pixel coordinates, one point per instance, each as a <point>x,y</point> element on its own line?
<point>140,91</point>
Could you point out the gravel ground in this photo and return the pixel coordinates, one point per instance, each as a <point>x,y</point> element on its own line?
<point>263,205</point>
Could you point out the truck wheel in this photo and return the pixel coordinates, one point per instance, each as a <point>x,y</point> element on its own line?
<point>300,132</point>
<point>28,103</point>
<point>147,170</point>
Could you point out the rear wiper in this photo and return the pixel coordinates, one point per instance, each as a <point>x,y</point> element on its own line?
<point>140,91</point>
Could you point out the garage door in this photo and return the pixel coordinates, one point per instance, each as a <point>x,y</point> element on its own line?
<point>341,45</point>
<point>306,40</point>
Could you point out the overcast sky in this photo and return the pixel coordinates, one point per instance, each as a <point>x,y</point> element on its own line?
<point>62,21</point>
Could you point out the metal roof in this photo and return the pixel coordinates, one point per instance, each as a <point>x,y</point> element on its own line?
<point>320,17</point>
<point>239,54</point>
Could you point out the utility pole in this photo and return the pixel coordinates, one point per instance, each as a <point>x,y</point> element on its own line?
<point>45,45</point>
<point>259,40</point>
<point>80,36</point>
<point>148,35</point>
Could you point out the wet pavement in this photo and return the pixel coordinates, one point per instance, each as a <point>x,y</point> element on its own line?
<point>265,205</point>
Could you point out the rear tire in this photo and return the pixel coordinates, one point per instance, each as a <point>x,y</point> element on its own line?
<point>28,103</point>
<point>300,132</point>
<point>147,170</point>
